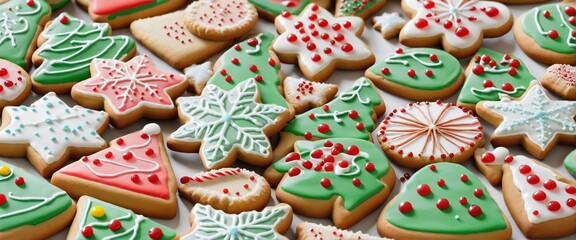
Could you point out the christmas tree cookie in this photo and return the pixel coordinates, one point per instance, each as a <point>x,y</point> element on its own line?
<point>340,177</point>
<point>443,201</point>
<point>20,24</point>
<point>422,74</point>
<point>97,219</point>
<point>540,199</point>
<point>270,9</point>
<point>360,8</point>
<point>492,75</point>
<point>67,47</point>
<point>31,208</point>
<point>134,172</point>
<point>547,33</point>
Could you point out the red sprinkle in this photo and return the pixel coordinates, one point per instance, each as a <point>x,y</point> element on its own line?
<point>405,207</point>
<point>155,233</point>
<point>87,231</point>
<point>474,210</point>
<point>442,203</point>
<point>423,189</point>
<point>115,225</point>
<point>325,182</point>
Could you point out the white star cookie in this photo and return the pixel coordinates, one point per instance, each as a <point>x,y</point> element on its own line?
<point>389,24</point>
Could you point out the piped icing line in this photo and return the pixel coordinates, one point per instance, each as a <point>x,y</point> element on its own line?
<point>257,46</point>
<point>516,90</point>
<point>7,23</point>
<point>43,201</point>
<point>396,58</point>
<point>355,92</point>
<point>571,38</point>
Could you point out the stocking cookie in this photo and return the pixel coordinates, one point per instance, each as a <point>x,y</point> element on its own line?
<point>560,79</point>
<point>534,120</point>
<point>15,84</point>
<point>422,74</point>
<point>459,25</point>
<point>270,9</point>
<point>128,91</point>
<point>362,8</point>
<point>389,24</point>
<point>49,133</point>
<point>134,172</point>
<point>303,94</point>
<point>321,43</point>
<point>314,231</point>
<point>232,190</point>
<point>67,47</point>
<point>198,75</point>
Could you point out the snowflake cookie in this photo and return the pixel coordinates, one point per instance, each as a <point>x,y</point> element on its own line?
<point>128,91</point>
<point>459,25</point>
<point>49,133</point>
<point>560,79</point>
<point>15,84</point>
<point>534,120</point>
<point>225,125</point>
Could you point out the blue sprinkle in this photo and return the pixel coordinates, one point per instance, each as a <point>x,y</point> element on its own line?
<point>37,134</point>
<point>48,120</point>
<point>54,139</point>
<point>7,131</point>
<point>66,128</point>
<point>83,138</point>
<point>49,105</point>
<point>17,117</point>
<point>51,129</point>
<point>93,133</point>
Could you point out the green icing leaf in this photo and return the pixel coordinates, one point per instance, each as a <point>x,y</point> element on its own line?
<point>537,26</point>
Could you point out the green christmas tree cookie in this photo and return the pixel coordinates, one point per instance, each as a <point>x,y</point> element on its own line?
<point>360,8</point>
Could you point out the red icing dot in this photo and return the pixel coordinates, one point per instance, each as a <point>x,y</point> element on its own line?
<point>570,11</point>
<point>488,157</point>
<point>539,195</point>
<point>448,24</point>
<point>478,192</point>
<point>325,182</point>
<point>127,156</point>
<point>271,62</point>
<point>369,167</point>
<point>322,22</point>
<point>462,31</point>
<point>553,34</point>
<point>308,135</point>
<point>347,47</point>
<point>3,72</point>
<point>311,46</point>
<point>546,14</point>
<point>323,128</point>
<point>553,206</point>
<point>353,114</point>
<point>357,182</point>
<point>316,57</point>
<point>525,169</point>
<point>433,57</point>
<point>149,152</point>
<point>2,199</point>
<point>64,20</point>
<point>135,178</point>
<point>464,178</point>
<point>411,73</point>
<point>478,69</point>
<point>307,164</point>
<point>328,143</point>
<point>360,126</point>
<point>423,189</point>
<point>571,202</point>
<point>115,225</point>
<point>507,87</point>
<point>155,233</point>
<point>294,171</point>
<point>442,203</point>
<point>120,141</point>
<point>30,3</point>
<point>292,38</point>
<point>432,167</point>
<point>429,73</point>
<point>225,190</point>
<point>399,50</point>
<point>474,210</point>
<point>87,231</point>
<point>570,189</point>
<point>343,164</point>
<point>463,200</point>
<point>421,23</point>
<point>533,179</point>
<point>492,11</point>
<point>153,178</point>
<point>235,61</point>
<point>292,156</point>
<point>185,180</point>
<point>286,14</point>
<point>19,181</point>
<point>109,155</point>
<point>405,207</point>
<point>317,153</point>
<point>353,150</point>
<point>429,4</point>
<point>441,182</point>
<point>550,184</point>
<point>508,159</point>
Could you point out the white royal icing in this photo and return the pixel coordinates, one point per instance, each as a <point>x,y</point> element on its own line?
<point>15,77</point>
<point>389,21</point>
<point>199,74</point>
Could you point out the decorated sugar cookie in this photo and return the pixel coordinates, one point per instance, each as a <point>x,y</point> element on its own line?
<point>534,120</point>
<point>49,133</point>
<point>491,76</point>
<point>490,163</point>
<point>547,33</point>
<point>360,8</point>
<point>314,231</point>
<point>270,9</point>
<point>570,163</point>
<point>225,125</point>
<point>128,91</point>
<point>423,74</point>
<point>57,4</point>
<point>560,79</point>
<point>209,223</point>
<point>303,94</point>
<point>428,132</point>
<point>20,25</point>
<point>389,24</point>
<point>443,201</point>
<point>342,178</point>
<point>321,43</point>
<point>459,25</point>
<point>67,47</point>
<point>15,84</point>
<point>541,200</point>
<point>134,172</point>
<point>232,190</point>
<point>30,208</point>
<point>97,219</point>
<point>198,75</point>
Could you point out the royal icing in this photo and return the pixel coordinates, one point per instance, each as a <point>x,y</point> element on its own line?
<point>307,230</point>
<point>495,157</point>
<point>27,200</point>
<point>461,22</point>
<point>227,121</point>
<point>102,220</point>
<point>221,14</point>
<point>535,116</point>
<point>275,7</point>
<point>70,47</point>
<point>215,224</point>
<point>108,7</point>
<point>306,92</point>
<point>570,163</point>
<point>552,27</point>
<point>199,74</point>
<point>234,183</point>
<point>389,21</point>
<point>319,39</point>
<point>57,4</point>
<point>565,73</point>
<point>129,86</point>
<point>356,7</point>
<point>19,21</point>
<point>445,198</point>
<point>49,126</point>
<point>494,75</point>
<point>12,81</point>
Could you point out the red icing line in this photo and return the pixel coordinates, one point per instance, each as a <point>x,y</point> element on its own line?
<point>107,7</point>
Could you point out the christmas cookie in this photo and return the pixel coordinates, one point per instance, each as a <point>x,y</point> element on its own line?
<point>67,47</point>
<point>314,231</point>
<point>350,115</point>
<point>56,4</point>
<point>547,33</point>
<point>15,84</point>
<point>534,120</point>
<point>490,163</point>
<point>570,163</point>
<point>321,43</point>
<point>340,177</point>
<point>232,190</point>
<point>97,219</point>
<point>209,223</point>
<point>198,75</point>
<point>389,24</point>
<point>270,9</point>
<point>30,208</point>
<point>560,79</point>
<point>443,201</point>
<point>20,25</point>
<point>168,38</point>
<point>428,132</point>
<point>128,91</point>
<point>360,8</point>
<point>49,133</point>
<point>303,94</point>
<point>225,125</point>
<point>121,13</point>
<point>492,75</point>
<point>459,25</point>
<point>134,172</point>
<point>220,19</point>
<point>422,74</point>
<point>541,200</point>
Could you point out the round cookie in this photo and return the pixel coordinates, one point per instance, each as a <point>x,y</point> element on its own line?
<point>560,79</point>
<point>15,84</point>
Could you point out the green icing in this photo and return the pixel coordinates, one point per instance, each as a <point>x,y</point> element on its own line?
<point>362,97</point>
<point>570,163</point>
<point>426,217</point>
<point>18,27</point>
<point>356,7</point>
<point>446,69</point>
<point>473,91</point>
<point>32,203</point>
<point>136,9</point>
<point>248,55</point>
<point>275,7</point>
<point>307,183</point>
<point>133,226</point>
<point>71,46</point>
<point>537,26</point>
<point>57,4</point>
